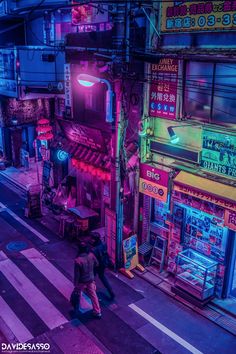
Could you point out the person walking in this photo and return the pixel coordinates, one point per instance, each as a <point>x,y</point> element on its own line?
<point>84,277</point>
<point>99,249</point>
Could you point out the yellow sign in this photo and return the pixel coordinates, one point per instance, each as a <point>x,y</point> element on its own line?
<point>152,189</point>
<point>230,220</point>
<point>186,16</point>
<point>206,196</point>
<point>130,248</point>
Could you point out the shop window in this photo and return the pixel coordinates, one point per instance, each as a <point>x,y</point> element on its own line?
<point>198,89</point>
<point>224,104</point>
<point>210,91</point>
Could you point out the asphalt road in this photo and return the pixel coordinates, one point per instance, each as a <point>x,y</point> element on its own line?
<point>36,269</point>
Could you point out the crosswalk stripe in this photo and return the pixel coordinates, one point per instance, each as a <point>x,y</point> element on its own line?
<point>54,276</point>
<point>22,222</point>
<point>39,303</point>
<point>13,322</point>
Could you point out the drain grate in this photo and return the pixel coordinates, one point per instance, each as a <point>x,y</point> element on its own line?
<point>16,246</point>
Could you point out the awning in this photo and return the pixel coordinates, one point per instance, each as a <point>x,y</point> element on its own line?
<point>205,189</point>
<point>92,157</point>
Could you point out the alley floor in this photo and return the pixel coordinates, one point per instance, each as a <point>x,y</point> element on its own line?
<point>36,269</point>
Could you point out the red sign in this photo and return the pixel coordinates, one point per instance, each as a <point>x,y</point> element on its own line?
<point>153,174</point>
<point>163,90</point>
<point>153,182</point>
<point>230,219</point>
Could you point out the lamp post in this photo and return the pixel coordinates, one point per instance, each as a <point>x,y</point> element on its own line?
<point>174,138</point>
<point>88,81</point>
<point>116,190</point>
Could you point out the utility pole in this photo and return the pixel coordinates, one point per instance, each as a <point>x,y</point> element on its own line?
<point>120,56</point>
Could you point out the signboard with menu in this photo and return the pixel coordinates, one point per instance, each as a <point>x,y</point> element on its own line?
<point>153,182</point>
<point>219,153</point>
<point>163,89</point>
<point>186,16</point>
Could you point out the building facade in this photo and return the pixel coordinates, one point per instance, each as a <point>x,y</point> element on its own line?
<point>188,144</point>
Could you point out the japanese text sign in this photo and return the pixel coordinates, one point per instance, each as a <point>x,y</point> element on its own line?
<point>185,16</point>
<point>205,196</point>
<point>219,153</point>
<point>163,90</point>
<point>230,219</point>
<point>153,182</point>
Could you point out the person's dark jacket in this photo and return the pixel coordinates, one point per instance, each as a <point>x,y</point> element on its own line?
<point>100,252</point>
<point>84,268</point>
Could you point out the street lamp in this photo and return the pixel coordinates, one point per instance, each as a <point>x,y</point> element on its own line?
<point>174,138</point>
<point>89,81</point>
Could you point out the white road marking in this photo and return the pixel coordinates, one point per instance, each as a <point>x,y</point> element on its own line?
<point>39,303</point>
<point>13,322</point>
<point>165,330</point>
<point>22,222</point>
<point>54,276</point>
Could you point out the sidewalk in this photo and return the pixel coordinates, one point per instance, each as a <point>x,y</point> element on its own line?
<point>221,312</point>
<point>217,311</point>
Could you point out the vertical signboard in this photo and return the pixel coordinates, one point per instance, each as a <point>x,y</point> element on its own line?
<point>219,153</point>
<point>110,227</point>
<point>68,91</point>
<point>164,88</point>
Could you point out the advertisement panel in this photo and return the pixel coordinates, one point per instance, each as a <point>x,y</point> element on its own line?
<point>130,249</point>
<point>186,16</point>
<point>230,219</point>
<point>89,18</point>
<point>205,196</point>
<point>163,89</point>
<point>153,182</point>
<point>219,153</point>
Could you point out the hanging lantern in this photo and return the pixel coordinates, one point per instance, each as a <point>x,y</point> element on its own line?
<point>44,129</point>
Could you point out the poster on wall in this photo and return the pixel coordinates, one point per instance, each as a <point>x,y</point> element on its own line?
<point>230,220</point>
<point>219,153</point>
<point>153,182</point>
<point>197,16</point>
<point>164,88</point>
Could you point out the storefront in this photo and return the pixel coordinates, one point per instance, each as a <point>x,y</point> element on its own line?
<point>204,221</point>
<point>88,176</point>
<point>154,186</point>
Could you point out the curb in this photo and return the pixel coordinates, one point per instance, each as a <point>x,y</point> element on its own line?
<point>218,317</point>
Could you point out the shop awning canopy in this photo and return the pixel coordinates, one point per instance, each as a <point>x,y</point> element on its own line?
<point>92,157</point>
<point>206,186</point>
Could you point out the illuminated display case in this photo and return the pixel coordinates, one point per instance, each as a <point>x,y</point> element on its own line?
<point>196,274</point>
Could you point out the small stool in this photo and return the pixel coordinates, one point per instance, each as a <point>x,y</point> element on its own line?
<point>144,252</point>
<point>62,226</point>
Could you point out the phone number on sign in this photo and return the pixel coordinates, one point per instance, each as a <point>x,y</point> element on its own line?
<point>228,20</point>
